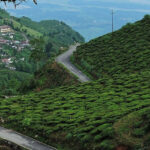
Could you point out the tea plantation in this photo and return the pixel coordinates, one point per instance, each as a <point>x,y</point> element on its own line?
<point>99,115</point>
<point>126,50</point>
<point>111,113</point>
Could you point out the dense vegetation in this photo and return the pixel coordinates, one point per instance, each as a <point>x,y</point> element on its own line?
<point>57,31</point>
<point>11,81</point>
<point>57,34</point>
<point>57,37</point>
<point>51,75</point>
<point>109,113</point>
<point>126,51</point>
<point>103,114</point>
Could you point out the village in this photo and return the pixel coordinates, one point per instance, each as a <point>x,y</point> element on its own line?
<point>9,40</point>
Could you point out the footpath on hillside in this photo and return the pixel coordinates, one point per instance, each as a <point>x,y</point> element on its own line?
<point>65,60</point>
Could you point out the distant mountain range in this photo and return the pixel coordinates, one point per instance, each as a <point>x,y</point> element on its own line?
<point>91,18</point>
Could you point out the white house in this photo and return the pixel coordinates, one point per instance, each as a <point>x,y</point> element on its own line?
<point>5,29</point>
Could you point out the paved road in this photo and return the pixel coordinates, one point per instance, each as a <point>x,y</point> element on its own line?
<point>27,142</point>
<point>22,140</point>
<point>65,60</point>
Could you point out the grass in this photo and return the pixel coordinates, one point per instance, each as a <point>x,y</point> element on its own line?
<point>29,31</point>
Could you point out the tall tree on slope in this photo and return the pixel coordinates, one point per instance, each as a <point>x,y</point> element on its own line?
<point>38,51</point>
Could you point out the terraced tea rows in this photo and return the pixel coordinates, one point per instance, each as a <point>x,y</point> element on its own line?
<point>126,51</point>
<point>83,116</point>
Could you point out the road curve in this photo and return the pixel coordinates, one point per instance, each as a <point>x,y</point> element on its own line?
<point>27,142</point>
<point>65,60</point>
<point>22,140</point>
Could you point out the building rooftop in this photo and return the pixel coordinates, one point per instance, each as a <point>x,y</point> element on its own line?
<point>4,27</point>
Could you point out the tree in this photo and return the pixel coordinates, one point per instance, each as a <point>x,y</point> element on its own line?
<point>48,48</point>
<point>38,51</point>
<point>16,2</point>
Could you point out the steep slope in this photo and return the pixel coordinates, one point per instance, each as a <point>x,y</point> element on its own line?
<point>53,28</point>
<point>87,116</point>
<point>57,35</point>
<point>51,75</point>
<point>126,51</point>
<point>57,31</point>
<point>107,114</point>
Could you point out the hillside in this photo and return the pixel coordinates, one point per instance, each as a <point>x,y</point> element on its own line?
<point>15,48</point>
<point>110,113</point>
<point>56,30</point>
<point>51,75</point>
<point>56,33</point>
<point>126,51</point>
<point>11,81</point>
<point>104,114</point>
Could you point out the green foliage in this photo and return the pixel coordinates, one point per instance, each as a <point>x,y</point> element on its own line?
<point>86,116</point>
<point>127,51</point>
<point>38,53</point>
<point>56,32</point>
<point>51,75</point>
<point>47,38</point>
<point>134,129</point>
<point>10,81</point>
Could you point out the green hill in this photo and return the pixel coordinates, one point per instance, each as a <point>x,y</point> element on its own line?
<point>126,51</point>
<point>110,113</point>
<point>60,34</point>
<point>58,31</point>
<point>55,32</point>
<point>51,75</point>
<point>100,115</point>
<point>57,35</point>
<point>10,81</point>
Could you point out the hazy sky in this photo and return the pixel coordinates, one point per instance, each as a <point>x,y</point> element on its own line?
<point>91,18</point>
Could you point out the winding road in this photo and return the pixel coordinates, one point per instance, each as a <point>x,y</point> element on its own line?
<point>27,142</point>
<point>23,141</point>
<point>65,60</point>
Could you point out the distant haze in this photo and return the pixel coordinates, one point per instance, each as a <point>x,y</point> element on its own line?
<point>92,18</point>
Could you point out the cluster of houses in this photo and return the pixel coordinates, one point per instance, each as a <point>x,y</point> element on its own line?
<point>6,31</point>
<point>7,62</point>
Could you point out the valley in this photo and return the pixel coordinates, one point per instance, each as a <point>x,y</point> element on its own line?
<point>15,48</point>
<point>77,95</point>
